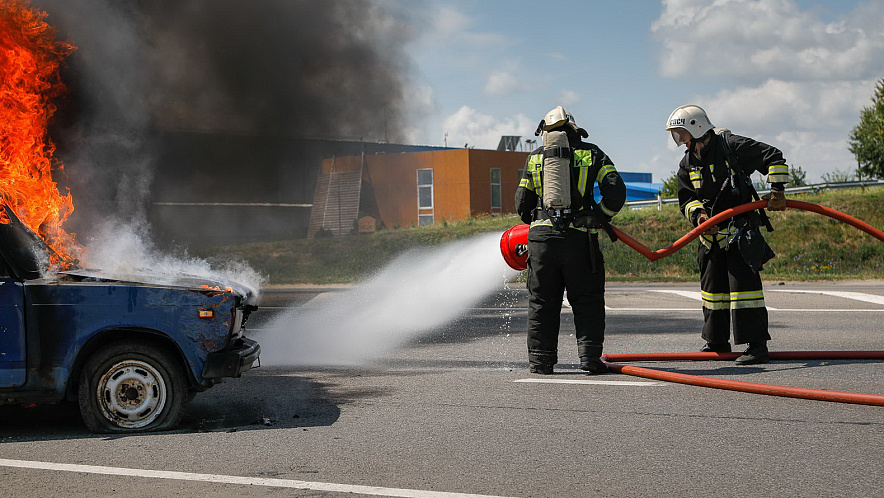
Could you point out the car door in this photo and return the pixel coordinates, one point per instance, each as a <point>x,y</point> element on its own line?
<point>12,333</point>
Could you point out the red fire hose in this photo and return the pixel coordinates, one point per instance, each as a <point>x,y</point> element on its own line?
<point>750,387</point>
<point>693,234</point>
<point>512,247</point>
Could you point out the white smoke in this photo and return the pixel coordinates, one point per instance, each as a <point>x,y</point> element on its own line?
<point>125,251</point>
<point>416,293</point>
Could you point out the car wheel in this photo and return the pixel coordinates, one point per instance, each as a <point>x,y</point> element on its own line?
<point>132,387</point>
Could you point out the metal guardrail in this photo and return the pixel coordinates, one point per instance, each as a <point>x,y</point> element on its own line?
<point>659,201</point>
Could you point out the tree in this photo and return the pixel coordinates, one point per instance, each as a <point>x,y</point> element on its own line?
<point>839,176</point>
<point>797,177</point>
<point>867,139</point>
<point>670,186</point>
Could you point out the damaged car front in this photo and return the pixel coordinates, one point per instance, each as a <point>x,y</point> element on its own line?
<point>131,350</point>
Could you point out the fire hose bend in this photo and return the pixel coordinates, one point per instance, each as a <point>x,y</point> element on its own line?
<point>730,213</point>
<point>518,235</point>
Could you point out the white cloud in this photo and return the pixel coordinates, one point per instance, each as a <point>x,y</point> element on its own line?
<point>483,131</point>
<point>808,121</point>
<point>450,26</point>
<point>501,82</point>
<point>760,39</point>
<point>791,79</point>
<point>449,22</point>
<point>775,105</point>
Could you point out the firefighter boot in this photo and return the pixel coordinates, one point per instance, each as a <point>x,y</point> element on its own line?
<point>716,347</point>
<point>593,364</point>
<point>755,354</point>
<point>541,369</point>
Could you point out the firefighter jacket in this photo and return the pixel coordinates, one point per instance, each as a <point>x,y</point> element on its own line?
<point>708,184</point>
<point>589,165</point>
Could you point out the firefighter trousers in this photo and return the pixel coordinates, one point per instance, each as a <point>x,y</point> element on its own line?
<point>731,292</point>
<point>560,261</point>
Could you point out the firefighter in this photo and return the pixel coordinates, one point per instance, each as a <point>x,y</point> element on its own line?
<point>555,196</point>
<point>714,175</point>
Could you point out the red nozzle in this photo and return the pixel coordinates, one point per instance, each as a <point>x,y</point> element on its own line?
<point>514,247</point>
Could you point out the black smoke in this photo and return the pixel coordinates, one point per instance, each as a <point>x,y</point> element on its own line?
<point>149,72</point>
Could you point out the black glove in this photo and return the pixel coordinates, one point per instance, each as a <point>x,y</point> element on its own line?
<point>589,219</point>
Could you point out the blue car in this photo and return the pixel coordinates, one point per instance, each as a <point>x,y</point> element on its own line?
<point>132,353</point>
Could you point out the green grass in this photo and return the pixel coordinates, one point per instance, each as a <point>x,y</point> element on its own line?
<point>808,246</point>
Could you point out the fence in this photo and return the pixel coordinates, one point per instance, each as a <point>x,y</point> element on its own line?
<point>659,201</point>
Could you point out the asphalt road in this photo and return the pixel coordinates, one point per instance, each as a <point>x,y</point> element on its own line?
<point>455,412</point>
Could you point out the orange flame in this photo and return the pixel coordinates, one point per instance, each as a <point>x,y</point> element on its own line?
<point>30,62</point>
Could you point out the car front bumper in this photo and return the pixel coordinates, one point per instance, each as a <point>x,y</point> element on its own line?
<point>233,360</point>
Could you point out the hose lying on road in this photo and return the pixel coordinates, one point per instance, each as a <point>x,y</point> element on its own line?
<point>749,387</point>
<point>734,385</point>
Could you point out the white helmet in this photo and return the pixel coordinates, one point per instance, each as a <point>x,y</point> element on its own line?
<point>558,117</point>
<point>691,118</point>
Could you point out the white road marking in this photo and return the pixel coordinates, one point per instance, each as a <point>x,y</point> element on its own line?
<point>246,481</point>
<point>856,296</point>
<point>794,310</point>
<point>608,308</point>
<point>592,382</point>
<point>694,295</point>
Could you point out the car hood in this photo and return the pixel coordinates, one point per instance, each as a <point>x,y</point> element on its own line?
<point>162,279</point>
<point>27,255</point>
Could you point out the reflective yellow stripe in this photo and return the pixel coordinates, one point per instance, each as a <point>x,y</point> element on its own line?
<point>606,210</point>
<point>691,206</point>
<point>733,300</point>
<point>695,176</point>
<point>604,171</point>
<point>778,173</point>
<point>739,296</point>
<point>708,296</point>
<point>581,179</point>
<point>526,183</point>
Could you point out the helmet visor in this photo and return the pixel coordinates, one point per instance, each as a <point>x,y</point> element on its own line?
<point>680,136</point>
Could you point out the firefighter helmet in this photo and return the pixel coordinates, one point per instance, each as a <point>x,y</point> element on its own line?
<point>556,118</point>
<point>691,118</point>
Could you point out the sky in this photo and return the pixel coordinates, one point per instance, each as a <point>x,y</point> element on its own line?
<point>792,73</point>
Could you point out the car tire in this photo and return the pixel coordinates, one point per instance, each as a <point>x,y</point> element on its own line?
<point>132,387</point>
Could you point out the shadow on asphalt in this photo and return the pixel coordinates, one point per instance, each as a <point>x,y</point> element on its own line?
<point>260,400</point>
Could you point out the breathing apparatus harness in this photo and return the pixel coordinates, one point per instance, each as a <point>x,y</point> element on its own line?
<point>559,187</point>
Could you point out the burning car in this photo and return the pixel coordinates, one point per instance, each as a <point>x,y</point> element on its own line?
<point>132,352</point>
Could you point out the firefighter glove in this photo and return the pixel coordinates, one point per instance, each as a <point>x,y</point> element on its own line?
<point>701,218</point>
<point>588,220</point>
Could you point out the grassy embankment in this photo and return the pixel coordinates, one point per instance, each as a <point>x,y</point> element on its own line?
<point>808,246</point>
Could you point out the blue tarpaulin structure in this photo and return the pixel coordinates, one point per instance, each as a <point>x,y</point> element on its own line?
<point>639,186</point>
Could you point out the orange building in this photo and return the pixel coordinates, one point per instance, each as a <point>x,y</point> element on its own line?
<point>362,193</point>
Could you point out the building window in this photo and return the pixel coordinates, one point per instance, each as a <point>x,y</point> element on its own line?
<point>495,188</point>
<point>425,189</point>
<point>424,219</point>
